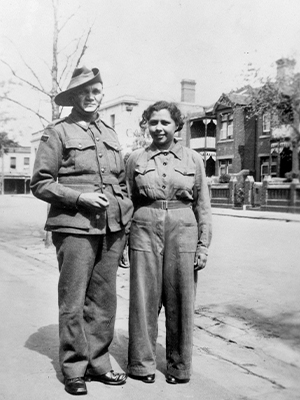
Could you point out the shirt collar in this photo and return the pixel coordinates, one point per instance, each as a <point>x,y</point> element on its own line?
<point>77,119</point>
<point>175,149</point>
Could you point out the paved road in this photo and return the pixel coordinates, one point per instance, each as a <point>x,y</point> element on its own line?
<point>246,342</point>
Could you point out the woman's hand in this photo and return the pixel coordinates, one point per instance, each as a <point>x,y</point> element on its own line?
<point>199,261</point>
<point>97,201</point>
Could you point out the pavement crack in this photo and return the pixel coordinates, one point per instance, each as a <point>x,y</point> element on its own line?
<point>243,367</point>
<point>216,335</point>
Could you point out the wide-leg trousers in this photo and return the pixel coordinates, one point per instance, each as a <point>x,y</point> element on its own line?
<point>162,249</point>
<point>87,300</point>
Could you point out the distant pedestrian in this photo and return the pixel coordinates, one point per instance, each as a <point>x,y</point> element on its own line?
<point>169,239</point>
<point>79,170</point>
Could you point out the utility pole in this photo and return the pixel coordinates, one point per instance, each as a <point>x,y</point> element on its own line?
<point>2,170</point>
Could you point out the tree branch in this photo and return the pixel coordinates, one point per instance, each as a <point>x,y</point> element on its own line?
<point>25,80</point>
<point>84,47</point>
<point>28,67</point>
<point>27,108</point>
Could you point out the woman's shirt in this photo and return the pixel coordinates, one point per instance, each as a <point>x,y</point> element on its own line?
<point>174,174</point>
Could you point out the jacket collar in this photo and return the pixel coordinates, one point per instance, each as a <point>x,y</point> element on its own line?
<point>78,120</point>
<point>176,149</point>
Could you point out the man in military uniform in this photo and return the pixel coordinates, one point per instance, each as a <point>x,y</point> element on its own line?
<point>79,170</point>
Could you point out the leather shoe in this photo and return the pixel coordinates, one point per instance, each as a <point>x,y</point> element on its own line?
<point>75,386</point>
<point>146,378</point>
<point>173,381</point>
<point>110,378</point>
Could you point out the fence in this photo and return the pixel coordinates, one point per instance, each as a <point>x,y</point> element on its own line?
<point>273,194</point>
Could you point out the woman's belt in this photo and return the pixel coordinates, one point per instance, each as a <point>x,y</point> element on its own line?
<point>166,204</point>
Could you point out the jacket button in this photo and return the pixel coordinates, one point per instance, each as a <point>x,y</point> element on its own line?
<point>97,216</point>
<point>102,169</point>
<point>97,139</point>
<point>164,175</point>
<point>103,186</point>
<point>163,186</point>
<point>100,155</point>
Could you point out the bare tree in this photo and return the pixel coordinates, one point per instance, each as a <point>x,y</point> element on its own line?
<point>59,74</point>
<point>73,54</point>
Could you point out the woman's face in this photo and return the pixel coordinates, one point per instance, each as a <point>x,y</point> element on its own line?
<point>162,128</point>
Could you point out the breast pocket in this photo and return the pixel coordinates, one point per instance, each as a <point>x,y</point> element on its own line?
<point>80,155</point>
<point>184,178</point>
<point>144,177</point>
<point>114,157</point>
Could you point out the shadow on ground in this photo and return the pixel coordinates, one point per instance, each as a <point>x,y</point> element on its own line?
<point>119,350</point>
<point>284,326</point>
<point>46,342</point>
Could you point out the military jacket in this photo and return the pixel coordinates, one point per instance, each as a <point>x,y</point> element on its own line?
<point>76,157</point>
<point>176,174</point>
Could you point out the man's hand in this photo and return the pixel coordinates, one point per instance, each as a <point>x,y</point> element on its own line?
<point>199,261</point>
<point>96,201</point>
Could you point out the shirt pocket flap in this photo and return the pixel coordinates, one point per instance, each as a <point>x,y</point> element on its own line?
<point>118,191</point>
<point>185,171</point>
<point>79,144</point>
<point>114,145</point>
<point>139,169</point>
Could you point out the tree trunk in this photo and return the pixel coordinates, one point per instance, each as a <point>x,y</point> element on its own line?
<point>54,90</point>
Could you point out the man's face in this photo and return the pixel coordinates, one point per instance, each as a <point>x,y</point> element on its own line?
<point>88,98</point>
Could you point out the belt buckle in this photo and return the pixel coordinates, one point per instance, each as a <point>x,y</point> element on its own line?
<point>164,204</point>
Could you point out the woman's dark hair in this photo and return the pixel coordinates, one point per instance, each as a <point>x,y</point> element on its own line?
<point>161,105</point>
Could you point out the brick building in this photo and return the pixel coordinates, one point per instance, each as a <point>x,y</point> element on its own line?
<point>244,143</point>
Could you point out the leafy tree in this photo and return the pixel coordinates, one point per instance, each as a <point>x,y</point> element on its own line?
<point>281,99</point>
<point>6,142</point>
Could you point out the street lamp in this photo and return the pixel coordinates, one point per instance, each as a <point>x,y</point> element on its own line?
<point>206,121</point>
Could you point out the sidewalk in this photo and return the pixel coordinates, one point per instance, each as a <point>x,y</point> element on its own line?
<point>256,214</point>
<point>231,360</point>
<point>228,363</point>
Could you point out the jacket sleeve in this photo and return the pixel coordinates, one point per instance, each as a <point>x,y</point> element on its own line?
<point>130,171</point>
<point>48,161</point>
<point>202,207</point>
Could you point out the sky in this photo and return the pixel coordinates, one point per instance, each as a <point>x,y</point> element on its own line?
<point>145,48</point>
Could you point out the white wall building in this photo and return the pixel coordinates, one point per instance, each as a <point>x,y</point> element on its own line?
<point>124,113</point>
<point>15,168</point>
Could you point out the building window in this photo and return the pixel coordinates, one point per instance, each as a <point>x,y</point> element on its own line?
<point>230,129</point>
<point>269,166</point>
<point>226,131</point>
<point>225,166</point>
<point>223,131</point>
<point>266,123</point>
<point>113,121</point>
<point>26,161</point>
<point>13,162</point>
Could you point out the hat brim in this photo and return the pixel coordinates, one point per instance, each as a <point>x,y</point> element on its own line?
<point>64,99</point>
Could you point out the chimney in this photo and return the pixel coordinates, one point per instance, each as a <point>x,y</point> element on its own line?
<point>285,69</point>
<point>188,90</point>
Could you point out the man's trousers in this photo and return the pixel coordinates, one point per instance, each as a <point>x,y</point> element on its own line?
<point>162,250</point>
<point>87,300</point>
